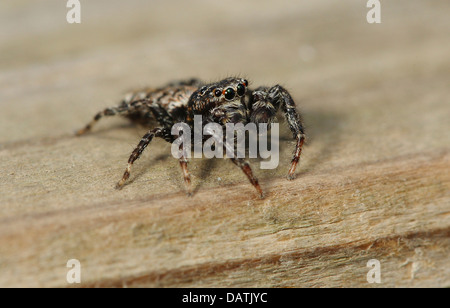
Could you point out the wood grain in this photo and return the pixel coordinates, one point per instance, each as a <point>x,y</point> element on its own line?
<point>373,181</point>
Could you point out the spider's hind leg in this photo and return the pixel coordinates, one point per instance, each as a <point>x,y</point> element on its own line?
<point>124,109</point>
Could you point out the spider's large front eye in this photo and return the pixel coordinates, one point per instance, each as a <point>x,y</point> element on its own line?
<point>240,89</point>
<point>229,93</point>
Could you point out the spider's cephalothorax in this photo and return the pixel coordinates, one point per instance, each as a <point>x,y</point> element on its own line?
<point>227,101</point>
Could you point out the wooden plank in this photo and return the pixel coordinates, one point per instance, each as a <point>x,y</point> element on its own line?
<point>373,183</point>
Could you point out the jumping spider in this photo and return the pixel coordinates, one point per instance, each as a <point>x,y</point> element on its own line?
<point>227,101</point>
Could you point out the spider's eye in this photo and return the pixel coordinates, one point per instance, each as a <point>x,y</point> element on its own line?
<point>245,82</point>
<point>240,89</point>
<point>217,93</point>
<point>229,93</point>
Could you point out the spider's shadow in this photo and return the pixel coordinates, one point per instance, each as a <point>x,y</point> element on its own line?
<point>326,130</point>
<point>205,167</point>
<point>322,128</point>
<point>205,170</point>
<point>323,133</point>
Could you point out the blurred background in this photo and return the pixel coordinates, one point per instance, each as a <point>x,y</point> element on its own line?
<point>339,67</point>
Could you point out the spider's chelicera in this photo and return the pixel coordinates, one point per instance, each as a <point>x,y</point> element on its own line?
<point>228,101</point>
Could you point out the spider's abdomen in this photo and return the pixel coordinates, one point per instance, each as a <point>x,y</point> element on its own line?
<point>166,105</point>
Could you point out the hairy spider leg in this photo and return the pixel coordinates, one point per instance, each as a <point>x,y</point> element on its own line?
<point>240,162</point>
<point>245,167</point>
<point>146,139</point>
<point>165,134</point>
<point>295,123</point>
<point>128,107</point>
<point>187,176</point>
<point>125,108</point>
<point>278,97</point>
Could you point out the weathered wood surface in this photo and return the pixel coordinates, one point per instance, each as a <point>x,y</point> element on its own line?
<point>373,183</point>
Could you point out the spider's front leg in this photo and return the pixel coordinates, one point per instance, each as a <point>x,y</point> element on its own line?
<point>264,104</point>
<point>245,167</point>
<point>187,177</point>
<point>240,162</point>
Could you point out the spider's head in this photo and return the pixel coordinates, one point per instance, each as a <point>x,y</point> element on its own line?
<point>229,90</point>
<point>215,94</point>
<point>222,101</point>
